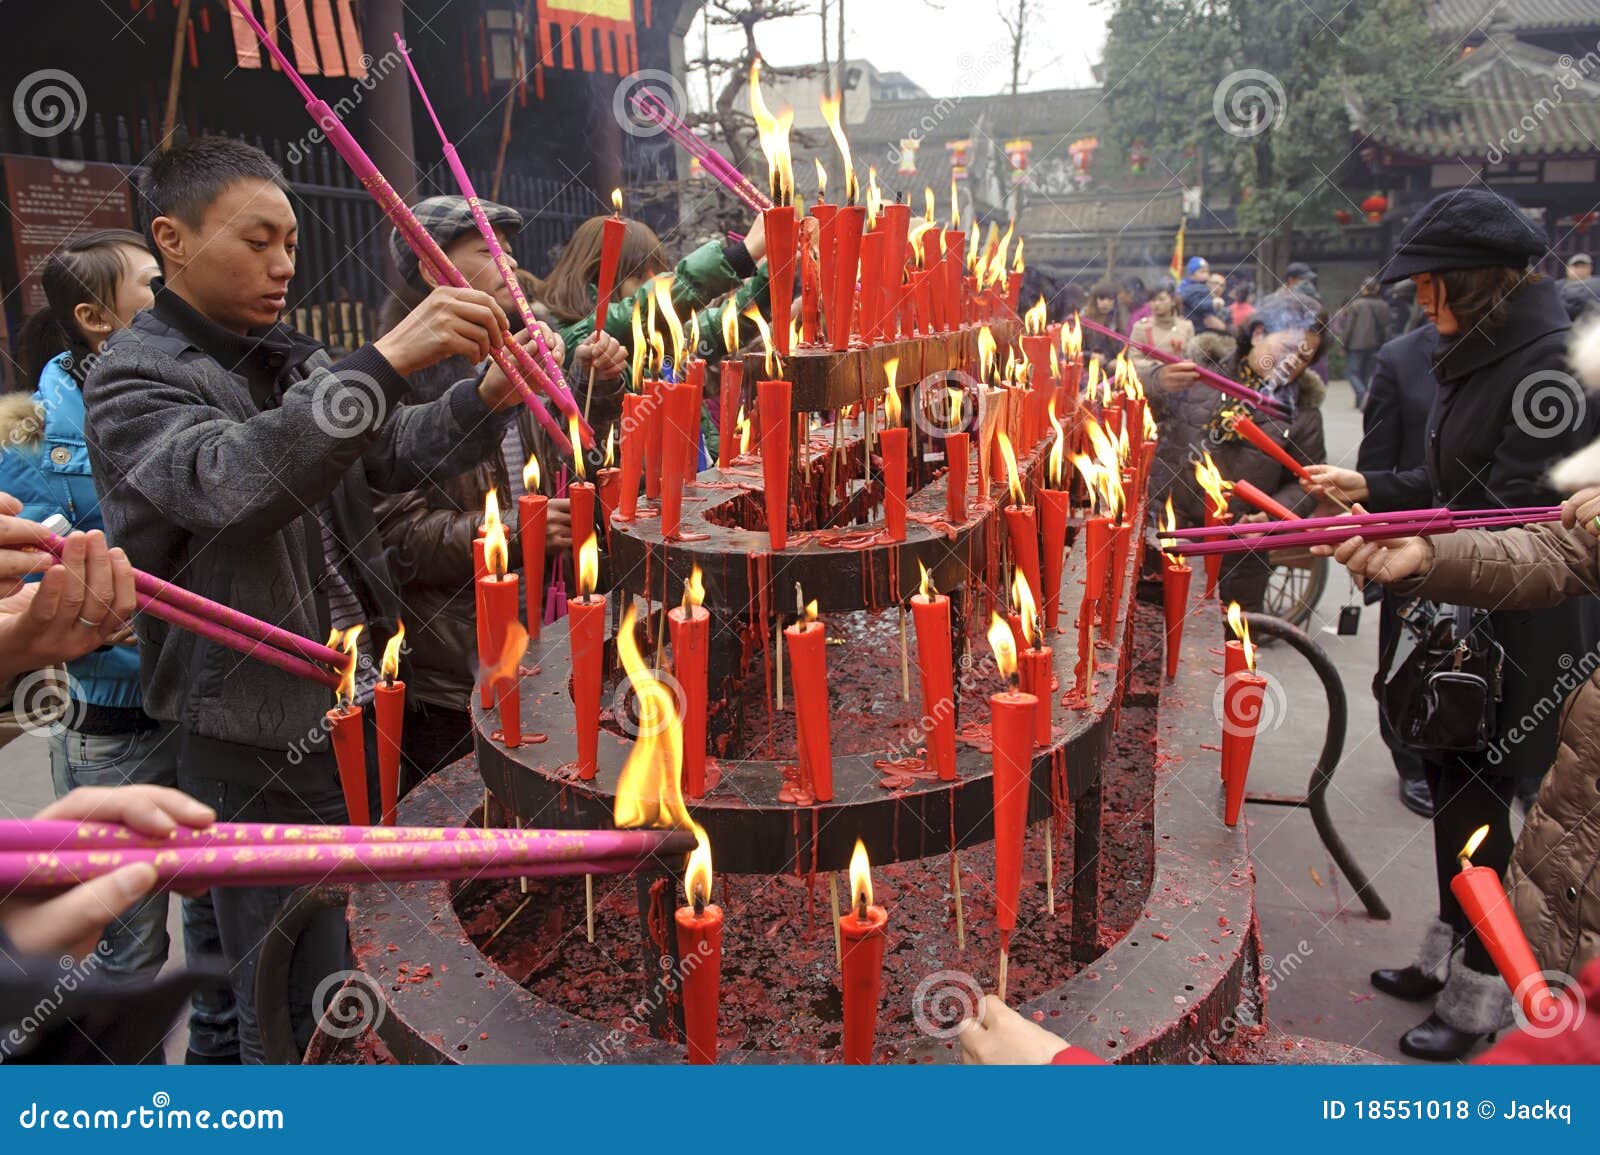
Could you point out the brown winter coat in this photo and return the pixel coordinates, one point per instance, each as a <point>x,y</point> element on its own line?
<point>1554,877</point>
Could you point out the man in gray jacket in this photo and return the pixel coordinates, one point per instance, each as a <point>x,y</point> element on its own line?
<point>233,457</point>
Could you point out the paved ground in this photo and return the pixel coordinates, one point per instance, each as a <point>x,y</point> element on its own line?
<point>1321,939</point>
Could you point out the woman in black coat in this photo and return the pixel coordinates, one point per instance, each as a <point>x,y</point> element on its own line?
<point>1507,410</point>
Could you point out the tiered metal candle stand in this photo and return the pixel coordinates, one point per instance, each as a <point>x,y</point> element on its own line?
<point>1193,944</point>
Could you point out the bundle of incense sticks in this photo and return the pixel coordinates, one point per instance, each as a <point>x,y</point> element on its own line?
<point>1224,385</point>
<point>514,361</point>
<point>43,857</point>
<point>650,106</point>
<point>228,627</point>
<point>1202,541</point>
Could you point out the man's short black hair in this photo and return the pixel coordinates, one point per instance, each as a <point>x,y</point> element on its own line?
<point>183,181</point>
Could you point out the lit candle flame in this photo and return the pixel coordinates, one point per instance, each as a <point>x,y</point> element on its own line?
<point>697,878</point>
<point>495,552</point>
<point>1108,474</point>
<point>611,449</point>
<point>1092,385</point>
<point>1010,458</point>
<point>1241,630</point>
<point>929,213</point>
<point>1016,263</point>
<point>774,363</point>
<point>1169,524</point>
<point>822,178</point>
<point>874,196</point>
<point>986,352</point>
<point>1090,472</point>
<point>491,512</point>
<point>1058,447</point>
<point>1033,321</point>
<point>958,399</point>
<point>1472,845</point>
<point>1004,645</point>
<point>345,696</point>
<point>925,584</point>
<point>1072,338</point>
<point>530,472</point>
<point>974,251</point>
<point>661,287</point>
<point>1151,430</point>
<point>860,878</point>
<point>588,565</point>
<point>640,348</point>
<point>1027,610</point>
<point>955,203</point>
<point>694,333</point>
<point>997,264</point>
<point>650,788</point>
<point>811,613</point>
<point>742,423</point>
<point>1209,478</point>
<point>577,445</point>
<point>694,590</point>
<point>389,667</point>
<point>616,201</point>
<point>830,114</point>
<point>773,132</point>
<point>730,328</point>
<point>891,395</point>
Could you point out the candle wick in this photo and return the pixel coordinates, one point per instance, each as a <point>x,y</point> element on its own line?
<point>699,904</point>
<point>861,907</point>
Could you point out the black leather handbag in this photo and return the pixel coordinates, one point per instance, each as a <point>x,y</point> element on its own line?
<point>1445,693</point>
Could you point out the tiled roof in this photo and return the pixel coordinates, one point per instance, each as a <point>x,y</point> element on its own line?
<point>1509,98</point>
<point>1460,18</point>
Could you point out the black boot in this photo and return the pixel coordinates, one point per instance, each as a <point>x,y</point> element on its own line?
<point>1425,977</point>
<point>1437,1041</point>
<point>1416,797</point>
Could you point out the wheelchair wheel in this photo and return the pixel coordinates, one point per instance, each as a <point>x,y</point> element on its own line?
<point>1296,585</point>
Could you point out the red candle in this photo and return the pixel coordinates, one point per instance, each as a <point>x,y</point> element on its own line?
<point>954,242</point>
<point>806,642</point>
<point>1053,509</point>
<point>1241,712</point>
<point>892,445</point>
<point>1037,669</point>
<point>1013,718</point>
<point>690,627</point>
<point>350,755</point>
<point>1036,352</point>
<point>1247,428</point>
<point>869,307</point>
<point>1214,561</point>
<point>772,397</point>
<point>861,937</point>
<point>1483,898</point>
<point>586,631</point>
<point>678,399</point>
<point>922,300</point>
<point>1175,602</point>
<point>896,220</point>
<point>633,439</point>
<point>700,956</point>
<point>810,290</point>
<point>958,452</point>
<point>930,614</point>
<point>1014,289</point>
<point>608,487</point>
<point>731,371</point>
<point>1121,540</point>
<point>499,594</point>
<point>613,232</point>
<point>827,247</point>
<point>695,374</point>
<point>389,707</point>
<point>480,570</point>
<point>533,519</point>
<point>654,427</point>
<point>848,223</point>
<point>1097,554</point>
<point>780,270</point>
<point>1264,502</point>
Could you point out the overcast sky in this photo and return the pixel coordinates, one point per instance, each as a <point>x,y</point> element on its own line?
<point>949,47</point>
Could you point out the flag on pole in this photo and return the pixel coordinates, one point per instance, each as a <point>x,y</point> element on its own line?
<point>1176,269</point>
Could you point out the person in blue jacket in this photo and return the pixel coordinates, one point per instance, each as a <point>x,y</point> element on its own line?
<point>93,286</point>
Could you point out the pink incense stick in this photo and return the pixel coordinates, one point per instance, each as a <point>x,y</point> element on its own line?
<point>653,108</point>
<point>1423,528</point>
<point>226,618</point>
<point>1334,521</point>
<point>249,647</point>
<point>1217,381</point>
<point>514,361</point>
<point>59,834</point>
<point>554,376</point>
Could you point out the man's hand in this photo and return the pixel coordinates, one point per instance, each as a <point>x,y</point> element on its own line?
<point>1001,1037</point>
<point>1389,560</point>
<point>602,353</point>
<point>756,239</point>
<point>496,388</point>
<point>558,525</point>
<point>72,922</point>
<point>1581,509</point>
<point>1178,375</point>
<point>79,605</point>
<point>1333,483</point>
<point>450,322</point>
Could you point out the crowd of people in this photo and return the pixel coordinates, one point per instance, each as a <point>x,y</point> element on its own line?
<point>172,420</point>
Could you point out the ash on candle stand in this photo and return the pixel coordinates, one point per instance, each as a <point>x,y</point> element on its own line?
<point>1241,706</point>
<point>344,724</point>
<point>699,923</point>
<point>389,707</point>
<point>862,939</point>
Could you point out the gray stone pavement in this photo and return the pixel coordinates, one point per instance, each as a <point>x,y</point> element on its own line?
<point>1321,940</point>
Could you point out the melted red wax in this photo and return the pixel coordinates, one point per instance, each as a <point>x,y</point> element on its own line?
<point>898,773</point>
<point>527,739</point>
<point>793,789</point>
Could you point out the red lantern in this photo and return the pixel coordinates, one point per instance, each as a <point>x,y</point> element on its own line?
<point>1375,206</point>
<point>1343,217</point>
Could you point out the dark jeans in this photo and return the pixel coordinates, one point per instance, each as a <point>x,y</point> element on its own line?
<point>136,944</point>
<point>1406,760</point>
<point>245,784</point>
<point>1358,367</point>
<point>1244,578</point>
<point>435,736</point>
<point>1465,798</point>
